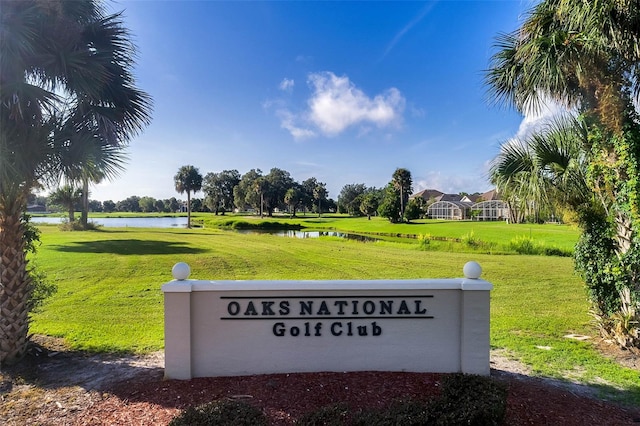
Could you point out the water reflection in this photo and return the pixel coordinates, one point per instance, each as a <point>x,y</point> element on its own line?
<point>308,234</point>
<point>122,222</point>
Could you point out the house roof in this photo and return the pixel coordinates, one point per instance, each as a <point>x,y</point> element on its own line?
<point>428,194</point>
<point>435,195</point>
<point>491,195</point>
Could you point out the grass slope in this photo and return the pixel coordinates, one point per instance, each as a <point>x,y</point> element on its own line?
<point>109,297</point>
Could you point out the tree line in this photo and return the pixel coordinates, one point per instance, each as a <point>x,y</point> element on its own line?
<point>265,194</point>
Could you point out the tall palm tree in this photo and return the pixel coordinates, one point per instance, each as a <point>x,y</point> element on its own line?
<point>319,194</point>
<point>65,69</point>
<point>402,182</point>
<point>581,54</point>
<point>260,187</point>
<point>188,179</point>
<point>584,55</point>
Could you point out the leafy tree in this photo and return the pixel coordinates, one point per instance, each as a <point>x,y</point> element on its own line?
<point>63,62</point>
<point>369,204</point>
<point>584,55</point>
<point>413,210</point>
<point>292,198</point>
<point>401,181</point>
<point>348,199</point>
<point>197,205</point>
<point>129,204</point>
<point>390,205</point>
<point>218,188</point>
<point>307,188</point>
<point>244,193</point>
<point>95,206</point>
<point>109,206</point>
<point>147,204</point>
<point>188,179</point>
<point>174,205</point>
<point>160,206</point>
<point>68,197</point>
<point>320,194</point>
<point>330,205</point>
<point>278,182</point>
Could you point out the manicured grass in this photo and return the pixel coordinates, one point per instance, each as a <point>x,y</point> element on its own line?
<point>109,297</point>
<point>499,233</point>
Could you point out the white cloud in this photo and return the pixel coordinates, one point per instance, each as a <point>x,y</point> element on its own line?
<point>288,122</point>
<point>337,104</point>
<point>286,85</point>
<point>536,119</point>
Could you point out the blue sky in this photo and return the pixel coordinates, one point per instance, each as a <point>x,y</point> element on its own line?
<point>342,91</point>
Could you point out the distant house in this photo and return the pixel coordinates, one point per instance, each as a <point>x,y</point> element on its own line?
<point>489,206</point>
<point>485,206</point>
<point>428,195</point>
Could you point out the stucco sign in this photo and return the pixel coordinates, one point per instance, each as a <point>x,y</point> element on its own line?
<point>221,328</point>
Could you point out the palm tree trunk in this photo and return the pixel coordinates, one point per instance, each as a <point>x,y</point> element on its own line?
<point>624,233</point>
<point>15,283</point>
<point>84,218</point>
<point>188,209</point>
<point>261,204</point>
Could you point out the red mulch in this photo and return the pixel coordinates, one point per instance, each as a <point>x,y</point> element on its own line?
<point>284,397</point>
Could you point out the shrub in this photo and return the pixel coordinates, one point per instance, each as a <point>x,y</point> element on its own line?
<point>332,415</point>
<point>470,240</point>
<point>525,245</point>
<point>221,413</point>
<point>424,241</point>
<point>405,413</point>
<point>555,251</point>
<point>470,400</point>
<point>77,226</point>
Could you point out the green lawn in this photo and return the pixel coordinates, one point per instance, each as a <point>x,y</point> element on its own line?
<point>561,236</point>
<point>109,297</point>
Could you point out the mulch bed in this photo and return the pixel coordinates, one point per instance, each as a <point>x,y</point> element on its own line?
<point>285,397</point>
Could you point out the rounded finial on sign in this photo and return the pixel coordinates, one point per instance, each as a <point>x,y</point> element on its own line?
<point>181,271</point>
<point>472,270</point>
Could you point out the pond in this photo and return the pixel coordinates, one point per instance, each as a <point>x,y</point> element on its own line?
<point>122,222</point>
<point>307,234</point>
<point>181,222</point>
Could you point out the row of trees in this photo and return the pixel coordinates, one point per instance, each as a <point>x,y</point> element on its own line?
<point>277,190</point>
<point>228,190</point>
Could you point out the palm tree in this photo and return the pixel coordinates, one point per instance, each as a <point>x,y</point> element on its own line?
<point>401,180</point>
<point>320,193</point>
<point>92,162</point>
<point>584,55</point>
<point>65,70</point>
<point>67,196</point>
<point>291,199</point>
<point>188,179</point>
<point>260,187</point>
<point>546,169</point>
<point>581,54</point>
